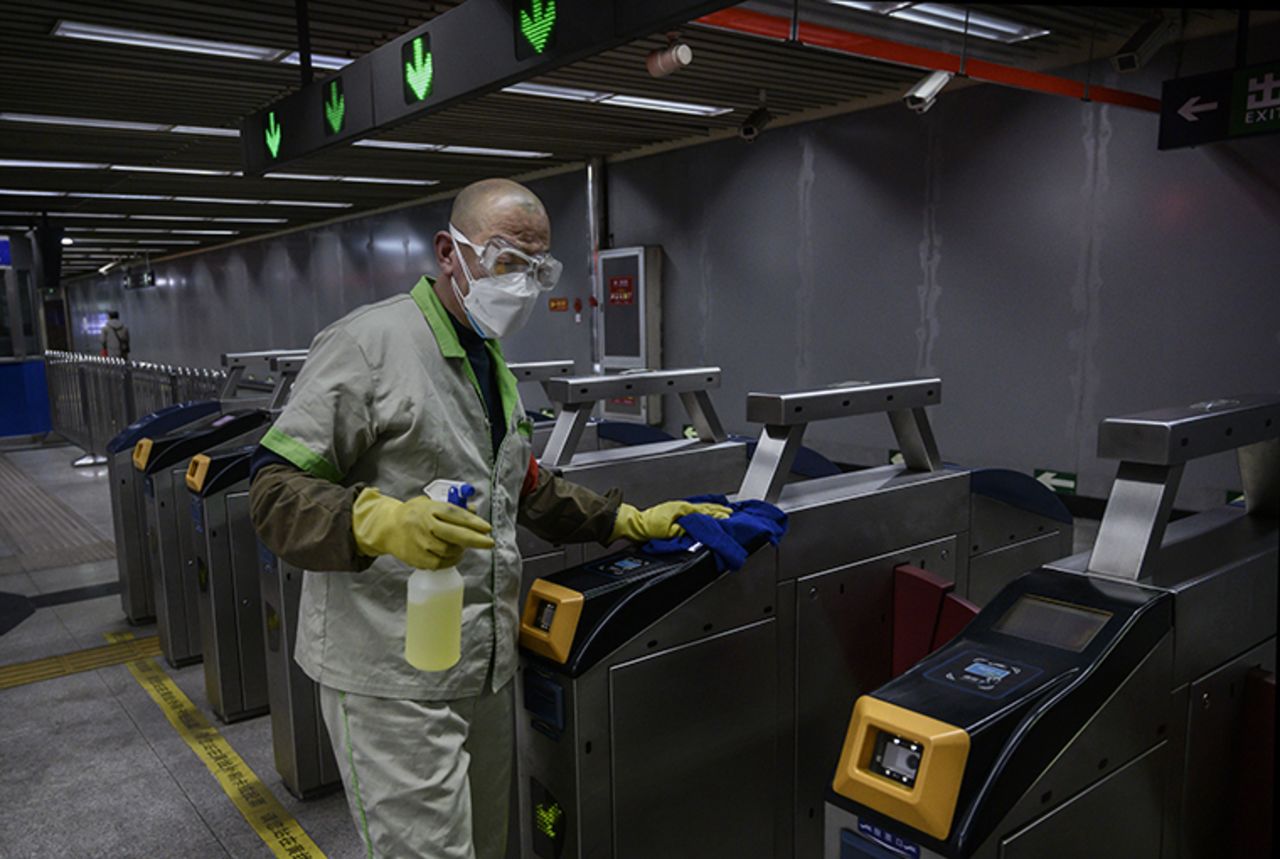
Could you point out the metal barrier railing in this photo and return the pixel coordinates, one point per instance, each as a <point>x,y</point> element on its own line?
<point>92,398</point>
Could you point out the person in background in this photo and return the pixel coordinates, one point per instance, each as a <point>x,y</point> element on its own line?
<point>393,396</point>
<point>115,337</point>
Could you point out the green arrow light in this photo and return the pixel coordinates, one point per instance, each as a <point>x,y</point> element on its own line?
<point>538,22</point>
<point>335,107</point>
<point>273,134</point>
<point>418,69</point>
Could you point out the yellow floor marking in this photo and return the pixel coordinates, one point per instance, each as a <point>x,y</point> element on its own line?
<point>274,825</point>
<point>22,673</point>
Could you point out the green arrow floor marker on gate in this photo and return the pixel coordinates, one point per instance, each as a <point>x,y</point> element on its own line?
<point>335,107</point>
<point>538,22</point>
<point>418,69</point>
<point>273,134</point>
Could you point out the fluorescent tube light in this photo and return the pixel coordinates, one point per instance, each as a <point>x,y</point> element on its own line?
<point>19,214</point>
<point>97,196</point>
<point>185,171</point>
<point>164,41</point>
<point>307,177</point>
<point>387,180</point>
<point>943,16</point>
<point>166,218</point>
<point>666,106</point>
<point>495,153</point>
<point>205,130</point>
<point>597,97</point>
<point>67,240</point>
<point>561,92</point>
<point>398,144</point>
<point>318,61</point>
<point>312,203</point>
<point>51,165</point>
<point>245,220</point>
<point>114,230</point>
<point>205,232</point>
<point>23,192</point>
<point>230,201</point>
<point>83,122</point>
<point>98,215</point>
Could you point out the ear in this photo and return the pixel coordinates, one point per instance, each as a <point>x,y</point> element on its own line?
<point>446,254</point>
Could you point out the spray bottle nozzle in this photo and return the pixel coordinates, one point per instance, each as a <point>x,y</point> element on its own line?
<point>460,495</point>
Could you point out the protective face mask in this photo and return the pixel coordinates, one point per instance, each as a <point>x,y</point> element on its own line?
<point>496,305</point>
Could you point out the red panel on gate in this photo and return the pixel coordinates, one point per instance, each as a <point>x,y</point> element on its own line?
<point>917,602</point>
<point>954,617</point>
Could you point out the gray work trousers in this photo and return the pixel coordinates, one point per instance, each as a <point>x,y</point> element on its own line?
<point>425,779</point>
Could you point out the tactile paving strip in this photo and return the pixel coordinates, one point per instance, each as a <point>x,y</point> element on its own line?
<point>38,531</point>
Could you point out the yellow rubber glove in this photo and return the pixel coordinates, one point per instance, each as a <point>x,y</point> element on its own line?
<point>422,532</point>
<point>659,522</point>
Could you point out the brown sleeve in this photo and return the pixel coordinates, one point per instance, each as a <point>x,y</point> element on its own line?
<point>564,512</point>
<point>305,520</point>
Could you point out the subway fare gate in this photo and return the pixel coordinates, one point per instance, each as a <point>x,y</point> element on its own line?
<point>1098,705</point>
<point>667,708</point>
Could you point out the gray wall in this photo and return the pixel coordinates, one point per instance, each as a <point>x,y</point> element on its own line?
<point>1039,254</point>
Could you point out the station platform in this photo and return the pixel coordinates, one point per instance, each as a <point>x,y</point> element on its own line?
<point>92,763</point>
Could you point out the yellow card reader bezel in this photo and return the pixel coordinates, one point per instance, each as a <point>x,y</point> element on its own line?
<point>930,804</point>
<point>141,454</point>
<point>197,471</point>
<point>556,642</point>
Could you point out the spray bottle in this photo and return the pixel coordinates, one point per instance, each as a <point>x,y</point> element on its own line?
<point>433,616</point>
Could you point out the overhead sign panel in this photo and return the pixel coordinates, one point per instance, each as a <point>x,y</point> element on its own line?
<point>317,116</point>
<point>1220,106</point>
<point>457,55</point>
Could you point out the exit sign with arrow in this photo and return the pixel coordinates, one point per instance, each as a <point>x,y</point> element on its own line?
<point>1220,106</point>
<point>1061,482</point>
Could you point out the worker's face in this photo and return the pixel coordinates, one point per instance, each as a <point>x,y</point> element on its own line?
<point>522,227</point>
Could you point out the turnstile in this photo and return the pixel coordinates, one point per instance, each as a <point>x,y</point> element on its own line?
<point>170,541</point>
<point>225,567</point>
<point>543,372</point>
<point>137,595</point>
<point>707,730</point>
<point>303,754</point>
<point>1094,707</point>
<point>646,473</point>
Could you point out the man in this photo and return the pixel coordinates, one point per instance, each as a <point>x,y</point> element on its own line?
<point>393,396</point>
<point>115,337</point>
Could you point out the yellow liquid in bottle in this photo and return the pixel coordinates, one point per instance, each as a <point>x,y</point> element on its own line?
<point>433,631</point>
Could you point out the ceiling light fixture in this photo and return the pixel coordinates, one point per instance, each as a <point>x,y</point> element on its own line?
<point>205,232</point>
<point>67,241</point>
<point>83,122</point>
<point>597,97</point>
<point>94,195</point>
<point>205,130</point>
<point>318,61</point>
<point>245,220</point>
<point>494,153</point>
<point>24,192</point>
<point>953,19</point>
<point>51,165</point>
<point>407,146</point>
<point>162,41</point>
<point>315,204</point>
<point>184,171</point>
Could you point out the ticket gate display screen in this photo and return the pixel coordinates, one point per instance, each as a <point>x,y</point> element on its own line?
<point>1057,624</point>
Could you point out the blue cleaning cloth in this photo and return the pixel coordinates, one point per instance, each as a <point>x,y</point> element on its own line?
<point>726,538</point>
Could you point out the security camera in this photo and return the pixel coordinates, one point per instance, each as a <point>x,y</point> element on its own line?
<point>1139,48</point>
<point>922,96</point>
<point>755,123</point>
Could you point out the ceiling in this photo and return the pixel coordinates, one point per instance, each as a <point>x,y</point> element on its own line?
<point>48,75</point>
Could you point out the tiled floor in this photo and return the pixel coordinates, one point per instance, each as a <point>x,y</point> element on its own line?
<point>89,765</point>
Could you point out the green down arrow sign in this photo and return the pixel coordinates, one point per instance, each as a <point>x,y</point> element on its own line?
<point>335,107</point>
<point>415,57</point>
<point>273,133</point>
<point>537,22</point>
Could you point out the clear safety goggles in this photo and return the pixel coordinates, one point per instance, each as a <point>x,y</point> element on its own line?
<point>498,257</point>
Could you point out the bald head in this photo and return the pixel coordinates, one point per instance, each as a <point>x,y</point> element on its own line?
<point>501,207</point>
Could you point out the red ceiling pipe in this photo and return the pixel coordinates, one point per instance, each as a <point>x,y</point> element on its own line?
<point>845,42</point>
